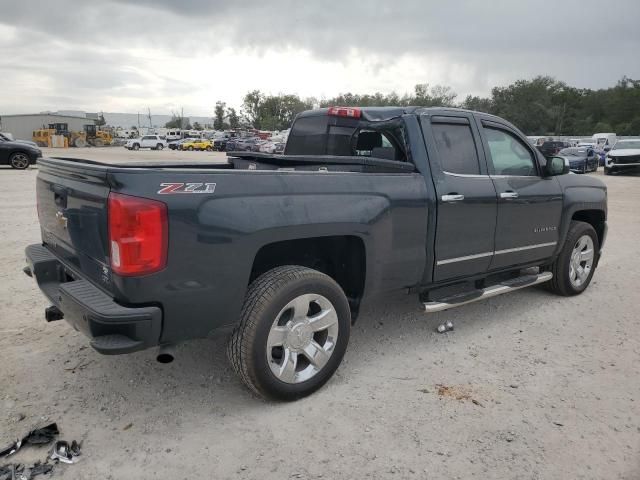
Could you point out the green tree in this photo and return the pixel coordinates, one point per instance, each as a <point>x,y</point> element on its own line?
<point>218,116</point>
<point>251,105</point>
<point>178,120</point>
<point>234,118</point>
<point>603,127</point>
<point>478,104</point>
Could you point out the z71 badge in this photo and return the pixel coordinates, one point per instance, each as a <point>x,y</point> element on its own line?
<point>170,188</point>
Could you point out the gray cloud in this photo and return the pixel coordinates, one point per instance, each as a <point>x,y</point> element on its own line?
<point>585,43</point>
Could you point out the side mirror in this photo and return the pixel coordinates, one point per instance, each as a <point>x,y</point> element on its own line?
<point>557,166</point>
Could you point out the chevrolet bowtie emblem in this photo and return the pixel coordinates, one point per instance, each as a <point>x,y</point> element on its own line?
<point>62,220</point>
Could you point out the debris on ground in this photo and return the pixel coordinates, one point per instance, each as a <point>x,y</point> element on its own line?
<point>17,471</point>
<point>457,392</point>
<point>64,452</point>
<point>445,327</point>
<point>38,436</point>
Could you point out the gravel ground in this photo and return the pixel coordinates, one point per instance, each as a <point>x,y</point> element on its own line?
<point>528,386</point>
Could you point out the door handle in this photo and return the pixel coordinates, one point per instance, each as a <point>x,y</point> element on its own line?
<point>509,195</point>
<point>452,197</point>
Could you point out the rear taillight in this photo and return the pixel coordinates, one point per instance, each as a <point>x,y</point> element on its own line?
<point>138,235</point>
<point>344,112</point>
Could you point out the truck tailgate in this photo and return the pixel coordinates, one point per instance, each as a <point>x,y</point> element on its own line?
<point>73,218</point>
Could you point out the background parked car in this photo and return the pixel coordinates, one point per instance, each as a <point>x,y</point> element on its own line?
<point>197,144</point>
<point>18,155</point>
<point>272,147</point>
<point>246,144</point>
<point>9,138</point>
<point>581,159</point>
<point>599,151</point>
<point>175,145</point>
<point>257,147</point>
<point>625,155</point>
<point>220,143</point>
<point>154,142</point>
<point>549,148</point>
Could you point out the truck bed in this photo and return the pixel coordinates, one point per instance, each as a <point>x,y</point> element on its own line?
<point>266,161</point>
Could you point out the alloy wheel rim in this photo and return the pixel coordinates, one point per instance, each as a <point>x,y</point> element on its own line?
<point>302,338</point>
<point>20,160</point>
<point>581,261</point>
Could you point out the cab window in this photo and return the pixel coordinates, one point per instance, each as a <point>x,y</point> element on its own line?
<point>508,154</point>
<point>456,148</point>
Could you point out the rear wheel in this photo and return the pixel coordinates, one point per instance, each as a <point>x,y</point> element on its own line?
<point>574,267</point>
<point>208,149</point>
<point>19,161</point>
<point>159,146</point>
<point>293,332</point>
<point>190,149</point>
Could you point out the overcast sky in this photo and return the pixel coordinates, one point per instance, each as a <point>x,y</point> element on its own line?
<point>120,56</point>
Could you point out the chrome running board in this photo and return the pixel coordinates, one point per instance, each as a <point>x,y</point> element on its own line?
<point>488,292</point>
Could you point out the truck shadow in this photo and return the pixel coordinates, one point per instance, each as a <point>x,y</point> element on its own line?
<point>201,381</point>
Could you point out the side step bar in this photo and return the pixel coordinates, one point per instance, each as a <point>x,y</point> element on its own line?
<point>488,292</point>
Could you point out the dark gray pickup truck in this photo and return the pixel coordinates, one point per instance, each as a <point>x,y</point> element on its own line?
<point>450,205</point>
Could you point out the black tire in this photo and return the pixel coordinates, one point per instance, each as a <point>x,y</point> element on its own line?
<point>265,299</point>
<point>136,146</point>
<point>208,149</point>
<point>608,171</point>
<point>560,283</point>
<point>159,146</point>
<point>19,160</point>
<point>190,149</point>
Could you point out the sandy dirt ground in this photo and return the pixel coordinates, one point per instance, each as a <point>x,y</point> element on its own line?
<point>528,386</point>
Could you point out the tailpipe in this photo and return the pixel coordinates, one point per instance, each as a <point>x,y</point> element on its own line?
<point>166,353</point>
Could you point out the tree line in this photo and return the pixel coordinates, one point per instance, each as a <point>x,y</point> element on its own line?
<point>539,106</point>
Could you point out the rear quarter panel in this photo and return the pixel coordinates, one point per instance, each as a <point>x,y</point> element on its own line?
<point>214,238</point>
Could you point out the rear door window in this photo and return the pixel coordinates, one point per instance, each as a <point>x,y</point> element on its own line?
<point>456,148</point>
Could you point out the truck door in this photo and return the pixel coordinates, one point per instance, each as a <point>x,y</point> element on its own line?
<point>529,205</point>
<point>466,197</point>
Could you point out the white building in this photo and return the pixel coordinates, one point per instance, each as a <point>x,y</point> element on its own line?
<point>22,126</point>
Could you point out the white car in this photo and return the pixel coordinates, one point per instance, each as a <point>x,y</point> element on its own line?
<point>625,155</point>
<point>154,142</point>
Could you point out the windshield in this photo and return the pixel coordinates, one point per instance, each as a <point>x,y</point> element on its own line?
<point>627,145</point>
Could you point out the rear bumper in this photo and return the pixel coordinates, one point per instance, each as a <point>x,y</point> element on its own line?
<point>112,328</point>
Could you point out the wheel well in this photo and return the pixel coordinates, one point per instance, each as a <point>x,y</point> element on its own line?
<point>593,217</point>
<point>340,257</point>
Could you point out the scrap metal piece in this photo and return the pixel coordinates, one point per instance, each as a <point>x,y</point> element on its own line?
<point>38,436</point>
<point>10,449</point>
<point>65,453</point>
<point>39,468</point>
<point>42,436</point>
